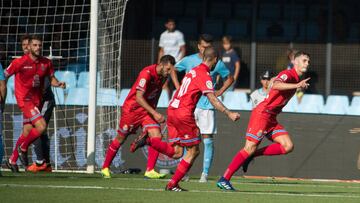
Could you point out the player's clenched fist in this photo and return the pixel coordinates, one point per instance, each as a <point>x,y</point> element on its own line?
<point>234,116</point>
<point>159,117</point>
<point>303,84</point>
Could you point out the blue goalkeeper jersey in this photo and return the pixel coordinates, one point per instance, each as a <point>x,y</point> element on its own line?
<point>190,62</point>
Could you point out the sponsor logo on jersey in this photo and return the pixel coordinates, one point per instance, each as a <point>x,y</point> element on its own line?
<point>27,67</point>
<point>209,84</point>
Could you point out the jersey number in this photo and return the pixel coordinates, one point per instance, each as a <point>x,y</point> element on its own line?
<point>184,86</point>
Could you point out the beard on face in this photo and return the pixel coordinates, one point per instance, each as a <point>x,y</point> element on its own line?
<point>35,53</point>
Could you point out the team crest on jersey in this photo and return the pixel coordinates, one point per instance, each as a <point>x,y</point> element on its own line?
<point>142,82</point>
<point>209,84</point>
<point>284,77</point>
<point>33,112</point>
<point>125,127</point>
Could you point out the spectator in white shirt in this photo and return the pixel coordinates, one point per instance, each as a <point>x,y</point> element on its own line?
<point>172,42</point>
<point>260,94</point>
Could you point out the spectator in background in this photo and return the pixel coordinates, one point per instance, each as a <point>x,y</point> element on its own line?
<point>230,59</point>
<point>171,43</point>
<point>260,94</point>
<point>285,61</point>
<point>2,105</point>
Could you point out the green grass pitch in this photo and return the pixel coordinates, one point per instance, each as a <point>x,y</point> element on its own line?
<point>70,187</point>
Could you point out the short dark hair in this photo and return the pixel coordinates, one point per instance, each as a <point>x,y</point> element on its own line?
<point>167,59</point>
<point>206,38</point>
<point>35,37</point>
<point>210,53</point>
<point>170,20</point>
<point>24,37</point>
<point>300,53</point>
<point>227,38</point>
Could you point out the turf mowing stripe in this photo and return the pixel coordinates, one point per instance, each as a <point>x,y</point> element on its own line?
<point>236,182</point>
<point>192,191</point>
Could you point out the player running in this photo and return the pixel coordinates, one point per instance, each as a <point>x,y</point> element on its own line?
<point>205,112</point>
<point>30,71</point>
<point>139,110</point>
<point>182,128</point>
<point>263,120</point>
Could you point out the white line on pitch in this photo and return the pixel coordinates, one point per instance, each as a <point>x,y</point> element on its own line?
<point>192,191</point>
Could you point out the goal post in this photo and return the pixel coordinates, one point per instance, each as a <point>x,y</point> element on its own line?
<point>83,38</point>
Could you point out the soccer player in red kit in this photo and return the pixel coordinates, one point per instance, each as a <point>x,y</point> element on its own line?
<point>182,129</point>
<point>263,121</point>
<point>30,71</point>
<point>139,110</point>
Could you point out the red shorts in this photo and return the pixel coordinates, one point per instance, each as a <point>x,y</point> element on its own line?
<point>261,125</point>
<point>182,129</point>
<point>131,121</point>
<point>31,112</point>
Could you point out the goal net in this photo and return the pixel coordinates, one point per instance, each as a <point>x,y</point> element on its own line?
<point>65,29</point>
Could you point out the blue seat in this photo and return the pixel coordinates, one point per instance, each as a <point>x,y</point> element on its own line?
<point>83,80</point>
<point>336,104</point>
<point>77,67</point>
<point>311,103</point>
<point>68,77</point>
<point>163,100</point>
<point>10,97</point>
<point>213,26</point>
<point>123,94</point>
<point>354,110</point>
<point>269,11</point>
<point>355,101</point>
<point>236,100</point>
<point>220,10</point>
<point>292,105</point>
<point>236,28</point>
<point>77,96</point>
<point>11,82</point>
<point>243,11</point>
<point>106,97</point>
<point>59,95</point>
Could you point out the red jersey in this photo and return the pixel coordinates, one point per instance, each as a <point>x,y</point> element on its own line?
<point>150,83</point>
<point>29,77</point>
<point>276,99</point>
<point>195,83</point>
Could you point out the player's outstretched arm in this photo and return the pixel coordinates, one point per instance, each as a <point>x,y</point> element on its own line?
<point>55,82</point>
<point>220,106</point>
<point>143,103</point>
<point>227,83</point>
<point>279,85</point>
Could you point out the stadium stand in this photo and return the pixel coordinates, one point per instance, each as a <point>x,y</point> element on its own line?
<point>59,95</point>
<point>236,100</point>
<point>336,104</point>
<point>292,105</point>
<point>106,97</point>
<point>163,100</point>
<point>73,97</point>
<point>311,103</point>
<point>123,95</point>
<point>68,77</point>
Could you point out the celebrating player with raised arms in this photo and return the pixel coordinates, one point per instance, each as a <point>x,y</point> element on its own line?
<point>263,122</point>
<point>30,71</point>
<point>182,129</point>
<point>139,110</point>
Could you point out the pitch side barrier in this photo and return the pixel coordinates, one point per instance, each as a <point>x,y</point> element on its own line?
<point>326,146</point>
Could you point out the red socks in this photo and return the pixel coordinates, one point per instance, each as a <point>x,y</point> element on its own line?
<point>235,164</point>
<point>33,135</point>
<point>162,147</point>
<point>111,152</point>
<point>270,150</point>
<point>15,155</point>
<point>152,158</point>
<point>182,168</point>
